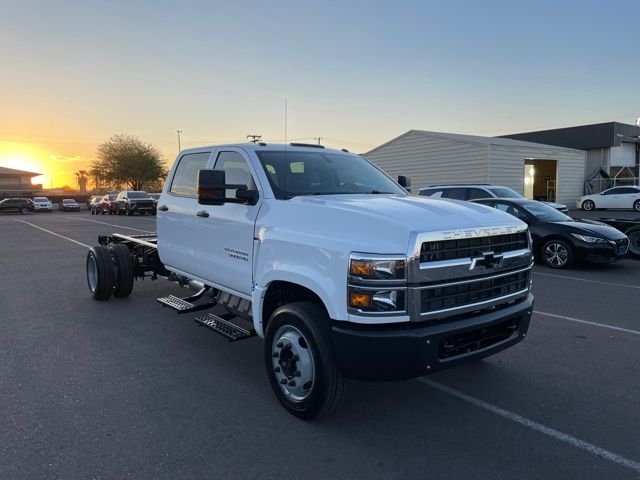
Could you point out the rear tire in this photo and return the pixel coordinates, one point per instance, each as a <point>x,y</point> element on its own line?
<point>123,277</point>
<point>634,242</point>
<point>298,349</point>
<point>588,205</point>
<point>557,254</point>
<point>636,205</point>
<point>100,272</point>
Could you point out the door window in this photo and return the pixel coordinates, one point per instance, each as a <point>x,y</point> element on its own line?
<point>236,171</point>
<point>475,193</point>
<point>455,193</point>
<point>613,191</point>
<point>511,210</point>
<point>431,192</point>
<point>185,177</point>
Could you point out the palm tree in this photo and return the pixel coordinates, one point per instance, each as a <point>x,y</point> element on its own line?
<point>82,177</point>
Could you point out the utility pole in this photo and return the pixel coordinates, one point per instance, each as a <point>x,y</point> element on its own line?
<point>179,132</point>
<point>318,139</point>
<point>254,137</point>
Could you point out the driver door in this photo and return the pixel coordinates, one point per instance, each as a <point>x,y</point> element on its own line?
<point>224,234</point>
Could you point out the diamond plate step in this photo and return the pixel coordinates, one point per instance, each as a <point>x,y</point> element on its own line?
<point>182,306</point>
<point>230,331</point>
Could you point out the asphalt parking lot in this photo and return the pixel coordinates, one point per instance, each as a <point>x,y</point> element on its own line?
<point>127,389</point>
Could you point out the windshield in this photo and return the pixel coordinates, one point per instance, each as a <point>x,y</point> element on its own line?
<point>546,213</point>
<point>504,192</point>
<point>68,201</point>
<point>137,195</point>
<point>40,199</point>
<point>323,173</point>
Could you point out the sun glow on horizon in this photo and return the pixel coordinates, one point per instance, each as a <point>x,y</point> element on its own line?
<point>55,170</point>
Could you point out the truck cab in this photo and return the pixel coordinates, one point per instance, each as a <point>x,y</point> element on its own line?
<point>337,267</point>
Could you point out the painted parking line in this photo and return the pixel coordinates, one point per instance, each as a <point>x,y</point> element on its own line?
<point>53,233</point>
<point>586,322</point>
<point>598,282</point>
<point>110,224</point>
<point>538,427</point>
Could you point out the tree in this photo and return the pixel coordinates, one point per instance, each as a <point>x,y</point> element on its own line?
<point>128,160</point>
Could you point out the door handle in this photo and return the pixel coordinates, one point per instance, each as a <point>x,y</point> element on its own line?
<point>203,214</point>
<point>163,208</point>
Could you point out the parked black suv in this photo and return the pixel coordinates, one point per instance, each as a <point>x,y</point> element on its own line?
<point>130,202</point>
<point>18,205</point>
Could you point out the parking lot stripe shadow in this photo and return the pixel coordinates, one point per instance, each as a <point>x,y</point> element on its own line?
<point>538,427</point>
<point>110,224</point>
<point>613,284</point>
<point>53,233</point>
<point>586,322</point>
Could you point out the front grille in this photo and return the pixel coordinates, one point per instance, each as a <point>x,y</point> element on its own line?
<point>471,247</point>
<point>474,340</point>
<point>462,294</point>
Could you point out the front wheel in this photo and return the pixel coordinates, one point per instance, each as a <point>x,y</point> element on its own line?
<point>634,242</point>
<point>24,211</point>
<point>588,205</point>
<point>300,361</point>
<point>557,254</point>
<point>636,205</point>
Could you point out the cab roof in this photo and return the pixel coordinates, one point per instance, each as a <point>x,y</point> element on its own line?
<point>262,146</point>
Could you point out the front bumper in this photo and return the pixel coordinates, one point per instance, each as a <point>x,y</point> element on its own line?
<point>599,252</point>
<point>397,352</point>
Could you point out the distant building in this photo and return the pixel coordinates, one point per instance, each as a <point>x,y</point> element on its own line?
<point>541,172</point>
<point>15,183</point>
<point>611,147</point>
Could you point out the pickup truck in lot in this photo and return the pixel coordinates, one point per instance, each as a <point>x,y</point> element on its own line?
<point>332,263</point>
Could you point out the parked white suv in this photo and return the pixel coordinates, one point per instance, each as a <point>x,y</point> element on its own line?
<point>42,204</point>
<point>616,197</point>
<point>476,192</point>
<point>336,266</point>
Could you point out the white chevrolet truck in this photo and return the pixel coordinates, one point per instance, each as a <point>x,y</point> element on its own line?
<point>332,263</point>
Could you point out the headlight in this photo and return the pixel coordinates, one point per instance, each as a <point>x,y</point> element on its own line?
<point>376,300</point>
<point>588,239</point>
<point>377,268</point>
<point>377,284</point>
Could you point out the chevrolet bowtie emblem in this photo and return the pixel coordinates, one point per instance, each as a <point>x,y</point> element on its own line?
<point>487,260</point>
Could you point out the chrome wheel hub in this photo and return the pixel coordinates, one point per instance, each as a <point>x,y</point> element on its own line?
<point>556,254</point>
<point>292,362</point>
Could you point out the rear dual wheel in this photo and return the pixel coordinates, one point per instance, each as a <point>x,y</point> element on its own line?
<point>109,271</point>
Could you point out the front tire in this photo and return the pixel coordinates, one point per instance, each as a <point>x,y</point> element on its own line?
<point>636,205</point>
<point>24,211</point>
<point>557,254</point>
<point>100,276</point>
<point>634,242</point>
<point>588,205</point>
<point>300,361</point>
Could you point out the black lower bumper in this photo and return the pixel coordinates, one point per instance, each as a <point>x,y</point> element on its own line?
<point>397,352</point>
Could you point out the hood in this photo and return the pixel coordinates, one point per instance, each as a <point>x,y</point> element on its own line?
<point>379,223</point>
<point>557,206</point>
<point>587,227</point>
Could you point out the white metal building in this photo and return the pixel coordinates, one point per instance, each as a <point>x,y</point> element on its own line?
<point>543,172</point>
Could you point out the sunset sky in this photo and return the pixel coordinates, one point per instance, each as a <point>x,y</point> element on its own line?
<point>354,72</point>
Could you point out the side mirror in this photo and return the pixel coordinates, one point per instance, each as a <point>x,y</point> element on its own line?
<point>211,187</point>
<point>404,182</point>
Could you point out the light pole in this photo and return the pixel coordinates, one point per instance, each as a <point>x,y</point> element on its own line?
<point>178,132</point>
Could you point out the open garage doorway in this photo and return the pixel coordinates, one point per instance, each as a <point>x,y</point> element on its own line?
<point>540,179</point>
